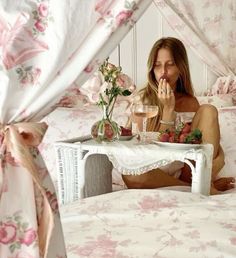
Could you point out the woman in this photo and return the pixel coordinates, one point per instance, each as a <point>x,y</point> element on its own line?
<point>169,86</point>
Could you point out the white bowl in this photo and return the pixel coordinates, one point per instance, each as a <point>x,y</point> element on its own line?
<point>125,137</point>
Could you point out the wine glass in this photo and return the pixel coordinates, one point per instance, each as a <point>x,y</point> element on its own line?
<point>144,112</point>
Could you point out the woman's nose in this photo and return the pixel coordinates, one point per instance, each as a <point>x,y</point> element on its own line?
<point>163,70</point>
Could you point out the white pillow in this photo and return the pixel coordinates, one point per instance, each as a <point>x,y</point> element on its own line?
<point>227,120</point>
<point>219,101</point>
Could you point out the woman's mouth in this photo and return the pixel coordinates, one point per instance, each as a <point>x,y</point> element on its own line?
<point>164,77</point>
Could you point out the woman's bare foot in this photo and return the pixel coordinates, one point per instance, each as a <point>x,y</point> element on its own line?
<point>214,191</point>
<point>224,183</point>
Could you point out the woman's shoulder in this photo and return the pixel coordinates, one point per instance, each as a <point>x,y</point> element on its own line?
<point>187,103</point>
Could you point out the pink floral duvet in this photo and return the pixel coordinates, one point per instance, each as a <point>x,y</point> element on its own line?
<point>151,223</point>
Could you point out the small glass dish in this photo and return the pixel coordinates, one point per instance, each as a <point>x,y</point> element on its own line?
<point>125,137</point>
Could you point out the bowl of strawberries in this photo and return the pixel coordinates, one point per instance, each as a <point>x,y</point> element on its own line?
<point>181,135</point>
<point>125,134</point>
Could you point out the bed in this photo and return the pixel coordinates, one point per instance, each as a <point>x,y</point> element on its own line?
<point>151,223</point>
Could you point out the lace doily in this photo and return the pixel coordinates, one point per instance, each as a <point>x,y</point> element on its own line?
<point>136,159</point>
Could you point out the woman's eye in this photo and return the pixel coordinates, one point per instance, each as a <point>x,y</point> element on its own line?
<point>166,65</point>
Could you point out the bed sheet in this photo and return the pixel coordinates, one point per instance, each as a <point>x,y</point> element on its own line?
<point>151,223</point>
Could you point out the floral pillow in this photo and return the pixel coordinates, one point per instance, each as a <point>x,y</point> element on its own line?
<point>73,98</point>
<point>219,100</point>
<point>88,93</point>
<point>225,89</point>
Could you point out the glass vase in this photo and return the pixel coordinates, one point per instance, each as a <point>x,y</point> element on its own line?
<point>105,129</point>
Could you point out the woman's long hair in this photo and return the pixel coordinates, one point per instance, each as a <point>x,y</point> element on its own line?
<point>184,84</point>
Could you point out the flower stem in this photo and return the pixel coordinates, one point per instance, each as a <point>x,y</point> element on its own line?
<point>112,106</point>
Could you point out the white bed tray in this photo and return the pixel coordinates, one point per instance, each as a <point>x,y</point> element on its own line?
<point>72,162</point>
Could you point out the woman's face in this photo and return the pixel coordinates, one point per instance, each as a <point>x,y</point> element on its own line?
<point>165,67</point>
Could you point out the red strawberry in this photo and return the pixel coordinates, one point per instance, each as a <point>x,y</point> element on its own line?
<point>172,138</point>
<point>183,137</point>
<point>171,133</point>
<point>164,77</point>
<point>164,137</point>
<point>186,128</point>
<point>125,131</point>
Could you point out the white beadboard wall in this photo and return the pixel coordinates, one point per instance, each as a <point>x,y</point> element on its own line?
<point>134,50</point>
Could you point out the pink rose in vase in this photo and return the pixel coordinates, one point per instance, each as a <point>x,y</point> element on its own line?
<point>125,82</point>
<point>91,88</point>
<point>7,233</point>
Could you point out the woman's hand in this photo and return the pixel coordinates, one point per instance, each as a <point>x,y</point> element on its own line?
<point>166,95</point>
<point>167,98</point>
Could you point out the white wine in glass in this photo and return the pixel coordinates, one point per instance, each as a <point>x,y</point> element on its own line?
<point>144,112</point>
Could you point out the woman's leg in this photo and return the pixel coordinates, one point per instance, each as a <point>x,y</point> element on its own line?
<point>206,119</point>
<point>152,179</point>
<point>220,184</point>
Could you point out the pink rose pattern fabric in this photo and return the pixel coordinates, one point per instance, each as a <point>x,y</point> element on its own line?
<point>218,100</point>
<point>41,45</point>
<point>198,25</point>
<point>112,15</point>
<point>18,229</point>
<point>227,120</point>
<point>225,85</point>
<point>151,223</point>
<point>18,43</point>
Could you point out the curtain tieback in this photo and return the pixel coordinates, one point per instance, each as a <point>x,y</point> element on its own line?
<point>17,138</point>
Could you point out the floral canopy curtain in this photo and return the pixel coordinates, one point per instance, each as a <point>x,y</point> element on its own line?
<point>208,28</point>
<point>44,46</point>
